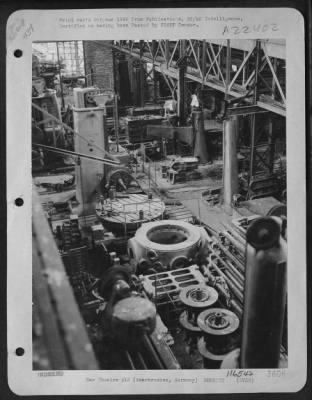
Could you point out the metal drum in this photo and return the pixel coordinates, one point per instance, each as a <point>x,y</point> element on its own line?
<point>132,318</point>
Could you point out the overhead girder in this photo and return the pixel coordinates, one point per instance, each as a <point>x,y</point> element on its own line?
<point>208,61</point>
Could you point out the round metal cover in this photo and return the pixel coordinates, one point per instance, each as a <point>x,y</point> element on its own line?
<point>263,233</point>
<point>198,296</point>
<point>134,309</point>
<point>218,321</point>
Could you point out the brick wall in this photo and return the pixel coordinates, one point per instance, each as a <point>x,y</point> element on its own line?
<point>99,64</point>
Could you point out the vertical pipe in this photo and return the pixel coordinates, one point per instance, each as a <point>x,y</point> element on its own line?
<point>265,295</point>
<point>230,168</point>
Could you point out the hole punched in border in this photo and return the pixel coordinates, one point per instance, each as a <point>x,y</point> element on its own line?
<point>20,351</point>
<point>18,53</point>
<point>19,201</point>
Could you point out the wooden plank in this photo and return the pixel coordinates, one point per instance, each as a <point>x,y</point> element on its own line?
<point>77,343</point>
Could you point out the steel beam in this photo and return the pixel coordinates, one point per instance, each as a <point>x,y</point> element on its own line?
<point>253,120</point>
<point>245,110</point>
<point>212,75</point>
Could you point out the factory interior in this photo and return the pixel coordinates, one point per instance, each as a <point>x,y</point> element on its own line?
<point>159,216</point>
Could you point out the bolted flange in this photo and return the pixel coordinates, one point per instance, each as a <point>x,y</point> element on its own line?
<point>196,298</point>
<point>219,327</point>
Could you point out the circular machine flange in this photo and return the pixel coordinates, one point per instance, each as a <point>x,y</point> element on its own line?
<point>218,321</point>
<point>195,298</point>
<point>129,213</point>
<point>198,296</point>
<point>179,262</point>
<point>219,326</point>
<point>168,235</point>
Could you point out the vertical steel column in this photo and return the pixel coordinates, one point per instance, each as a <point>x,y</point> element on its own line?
<point>265,295</point>
<point>200,147</point>
<point>273,80</point>
<point>182,48</point>
<point>181,95</point>
<point>228,68</point>
<point>253,117</point>
<point>142,74</point>
<point>230,168</point>
<point>204,61</point>
<point>116,121</point>
<point>181,87</point>
<point>167,52</point>
<point>76,57</point>
<point>61,83</point>
<point>271,145</point>
<point>154,71</point>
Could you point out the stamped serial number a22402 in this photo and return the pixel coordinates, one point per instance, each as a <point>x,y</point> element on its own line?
<point>259,28</point>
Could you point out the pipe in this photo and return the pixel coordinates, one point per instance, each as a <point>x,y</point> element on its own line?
<point>230,167</point>
<point>150,351</point>
<point>232,269</point>
<point>229,282</point>
<point>265,295</point>
<point>237,263</point>
<point>239,236</point>
<point>75,154</point>
<point>234,242</point>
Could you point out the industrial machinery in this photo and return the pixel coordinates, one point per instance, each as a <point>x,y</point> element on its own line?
<point>171,295</point>
<point>167,245</point>
<point>183,168</point>
<point>92,97</point>
<point>157,286</point>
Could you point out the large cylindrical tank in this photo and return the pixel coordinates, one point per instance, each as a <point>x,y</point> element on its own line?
<point>265,294</point>
<point>166,245</point>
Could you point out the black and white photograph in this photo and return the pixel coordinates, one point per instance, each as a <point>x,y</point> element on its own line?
<point>161,202</point>
<point>160,167</point>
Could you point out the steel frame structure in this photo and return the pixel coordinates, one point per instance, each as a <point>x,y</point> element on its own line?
<point>251,69</point>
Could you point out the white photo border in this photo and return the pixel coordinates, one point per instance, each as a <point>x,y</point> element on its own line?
<point>26,26</point>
